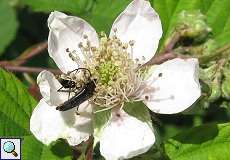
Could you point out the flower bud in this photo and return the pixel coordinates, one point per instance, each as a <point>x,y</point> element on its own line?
<point>212,77</point>
<point>225,87</point>
<point>206,74</point>
<point>192,24</point>
<point>206,49</point>
<point>215,90</point>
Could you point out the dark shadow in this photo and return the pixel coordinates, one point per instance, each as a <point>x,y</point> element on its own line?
<point>198,135</point>
<point>96,153</point>
<point>61,149</point>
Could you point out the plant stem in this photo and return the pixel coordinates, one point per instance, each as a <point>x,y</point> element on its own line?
<point>29,69</point>
<point>89,151</point>
<point>26,55</point>
<point>172,42</point>
<point>161,58</point>
<point>29,53</point>
<point>218,53</point>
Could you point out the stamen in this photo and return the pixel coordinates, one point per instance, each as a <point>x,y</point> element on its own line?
<point>102,110</point>
<point>114,68</point>
<point>118,115</point>
<point>85,52</point>
<point>131,43</point>
<point>162,99</point>
<point>115,31</point>
<point>73,55</point>
<point>85,36</point>
<point>80,45</point>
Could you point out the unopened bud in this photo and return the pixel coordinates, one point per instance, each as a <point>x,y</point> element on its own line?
<point>193,24</point>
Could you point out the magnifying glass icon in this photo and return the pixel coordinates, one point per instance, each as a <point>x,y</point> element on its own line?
<point>9,147</point>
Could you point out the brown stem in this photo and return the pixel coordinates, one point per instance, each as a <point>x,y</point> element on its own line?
<point>76,152</point>
<point>167,53</point>
<point>161,58</point>
<point>29,53</point>
<point>89,151</point>
<point>5,63</point>
<point>29,69</point>
<point>25,56</point>
<point>172,42</point>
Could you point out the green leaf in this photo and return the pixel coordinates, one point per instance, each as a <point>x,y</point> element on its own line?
<point>100,119</point>
<point>8,23</point>
<point>218,16</point>
<point>169,12</point>
<point>139,111</point>
<point>73,6</point>
<point>104,12</point>
<point>226,88</point>
<point>217,13</point>
<point>207,142</point>
<point>223,38</point>
<point>99,13</point>
<point>34,150</point>
<point>154,154</point>
<point>15,106</point>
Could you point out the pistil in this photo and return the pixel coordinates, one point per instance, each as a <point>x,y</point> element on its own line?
<point>114,69</point>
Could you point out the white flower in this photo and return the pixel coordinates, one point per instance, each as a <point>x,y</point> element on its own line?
<point>48,124</point>
<point>167,88</point>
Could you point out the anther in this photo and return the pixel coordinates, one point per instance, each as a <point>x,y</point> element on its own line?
<point>172,97</point>
<point>88,43</point>
<point>102,34</point>
<point>57,76</point>
<point>80,45</point>
<point>131,43</point>
<point>125,46</point>
<point>93,49</point>
<point>85,36</point>
<point>146,97</point>
<point>71,55</point>
<point>160,74</point>
<point>118,115</point>
<point>67,50</point>
<point>143,58</point>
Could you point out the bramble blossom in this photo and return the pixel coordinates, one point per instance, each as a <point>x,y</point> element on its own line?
<point>114,62</point>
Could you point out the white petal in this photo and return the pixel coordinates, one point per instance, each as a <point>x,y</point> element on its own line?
<point>125,137</point>
<point>173,86</point>
<point>139,22</point>
<point>49,85</point>
<point>79,132</point>
<point>67,32</point>
<point>47,124</point>
<point>83,126</point>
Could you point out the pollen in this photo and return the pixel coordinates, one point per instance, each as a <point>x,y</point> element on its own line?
<point>113,69</point>
<point>107,72</point>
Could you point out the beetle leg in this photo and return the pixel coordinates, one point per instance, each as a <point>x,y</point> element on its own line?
<point>79,69</point>
<point>60,89</point>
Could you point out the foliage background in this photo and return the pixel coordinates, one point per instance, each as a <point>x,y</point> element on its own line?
<point>24,24</point>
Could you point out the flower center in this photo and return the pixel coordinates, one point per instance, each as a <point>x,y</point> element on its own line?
<point>107,71</point>
<point>111,64</point>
